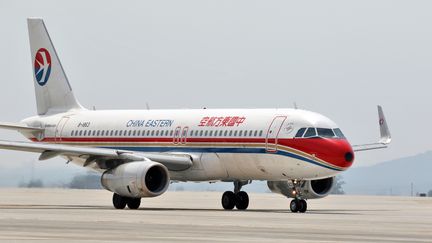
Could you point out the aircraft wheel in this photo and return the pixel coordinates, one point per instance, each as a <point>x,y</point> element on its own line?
<point>303,205</point>
<point>294,206</point>
<point>228,200</point>
<point>119,202</point>
<point>242,200</point>
<point>134,203</point>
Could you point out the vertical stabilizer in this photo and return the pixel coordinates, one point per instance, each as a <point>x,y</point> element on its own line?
<point>53,91</point>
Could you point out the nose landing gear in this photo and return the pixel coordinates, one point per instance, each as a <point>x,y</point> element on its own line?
<point>297,204</point>
<point>238,199</point>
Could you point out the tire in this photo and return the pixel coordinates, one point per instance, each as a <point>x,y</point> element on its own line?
<point>228,200</point>
<point>119,202</point>
<point>134,203</point>
<point>303,206</point>
<point>294,206</point>
<point>242,200</point>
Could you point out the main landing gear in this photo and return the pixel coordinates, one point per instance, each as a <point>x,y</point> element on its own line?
<point>297,204</point>
<point>120,202</point>
<point>238,199</point>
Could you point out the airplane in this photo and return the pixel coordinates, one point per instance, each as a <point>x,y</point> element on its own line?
<point>140,152</point>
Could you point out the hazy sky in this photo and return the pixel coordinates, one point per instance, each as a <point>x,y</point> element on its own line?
<point>338,58</point>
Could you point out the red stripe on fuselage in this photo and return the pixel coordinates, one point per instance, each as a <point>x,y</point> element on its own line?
<point>331,150</point>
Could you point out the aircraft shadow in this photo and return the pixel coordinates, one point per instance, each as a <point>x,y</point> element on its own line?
<point>143,208</point>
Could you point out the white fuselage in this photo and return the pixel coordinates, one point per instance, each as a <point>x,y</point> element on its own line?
<point>225,144</point>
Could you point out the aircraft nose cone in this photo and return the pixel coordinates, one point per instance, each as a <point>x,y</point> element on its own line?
<point>343,154</point>
<point>349,157</point>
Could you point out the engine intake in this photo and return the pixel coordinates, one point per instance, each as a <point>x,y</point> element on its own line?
<point>308,189</point>
<point>137,179</point>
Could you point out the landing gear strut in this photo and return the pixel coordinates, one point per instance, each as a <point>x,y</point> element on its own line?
<point>120,202</point>
<point>297,204</point>
<point>238,199</point>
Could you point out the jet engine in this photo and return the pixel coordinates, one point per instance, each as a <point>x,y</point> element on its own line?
<point>137,179</point>
<point>306,189</point>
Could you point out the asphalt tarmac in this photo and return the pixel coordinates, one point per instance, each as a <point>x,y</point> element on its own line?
<point>60,215</point>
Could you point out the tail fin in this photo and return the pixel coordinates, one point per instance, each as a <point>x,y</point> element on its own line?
<point>53,91</point>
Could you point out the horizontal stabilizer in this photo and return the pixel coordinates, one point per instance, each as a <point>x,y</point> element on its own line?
<point>19,127</point>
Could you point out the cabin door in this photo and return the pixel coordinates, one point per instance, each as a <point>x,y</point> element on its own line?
<point>59,129</point>
<point>273,133</point>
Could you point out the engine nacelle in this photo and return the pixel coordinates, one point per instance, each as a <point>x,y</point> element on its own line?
<point>308,189</point>
<point>137,179</point>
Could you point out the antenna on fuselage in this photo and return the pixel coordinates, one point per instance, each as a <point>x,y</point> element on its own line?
<point>295,106</point>
<point>147,106</point>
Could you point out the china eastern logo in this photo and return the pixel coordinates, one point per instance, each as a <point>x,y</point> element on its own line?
<point>42,66</point>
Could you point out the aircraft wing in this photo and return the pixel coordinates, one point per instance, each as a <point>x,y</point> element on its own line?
<point>97,155</point>
<point>385,136</point>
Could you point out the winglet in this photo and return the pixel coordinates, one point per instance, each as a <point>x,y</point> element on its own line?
<point>384,130</point>
<point>385,137</point>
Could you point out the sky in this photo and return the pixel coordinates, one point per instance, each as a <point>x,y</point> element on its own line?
<point>337,58</point>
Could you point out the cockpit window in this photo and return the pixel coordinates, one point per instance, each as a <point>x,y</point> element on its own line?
<point>300,132</point>
<point>310,132</point>
<point>325,132</point>
<point>338,133</point>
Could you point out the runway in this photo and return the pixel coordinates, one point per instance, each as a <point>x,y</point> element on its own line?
<point>87,215</point>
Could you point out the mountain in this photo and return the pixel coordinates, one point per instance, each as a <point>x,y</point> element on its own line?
<point>392,177</point>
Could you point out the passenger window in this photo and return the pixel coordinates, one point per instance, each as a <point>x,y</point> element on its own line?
<point>191,133</point>
<point>152,133</point>
<point>240,133</point>
<point>300,132</point>
<point>211,133</point>
<point>80,132</point>
<point>260,134</point>
<point>205,133</point>
<point>310,132</point>
<point>157,133</point>
<point>201,133</point>
<point>235,133</point>
<point>325,132</point>
<point>225,133</point>
<point>72,133</point>
<point>171,133</point>
<point>220,133</point>
<point>255,133</point>
<point>97,133</point>
<point>250,133</point>
<point>115,133</point>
